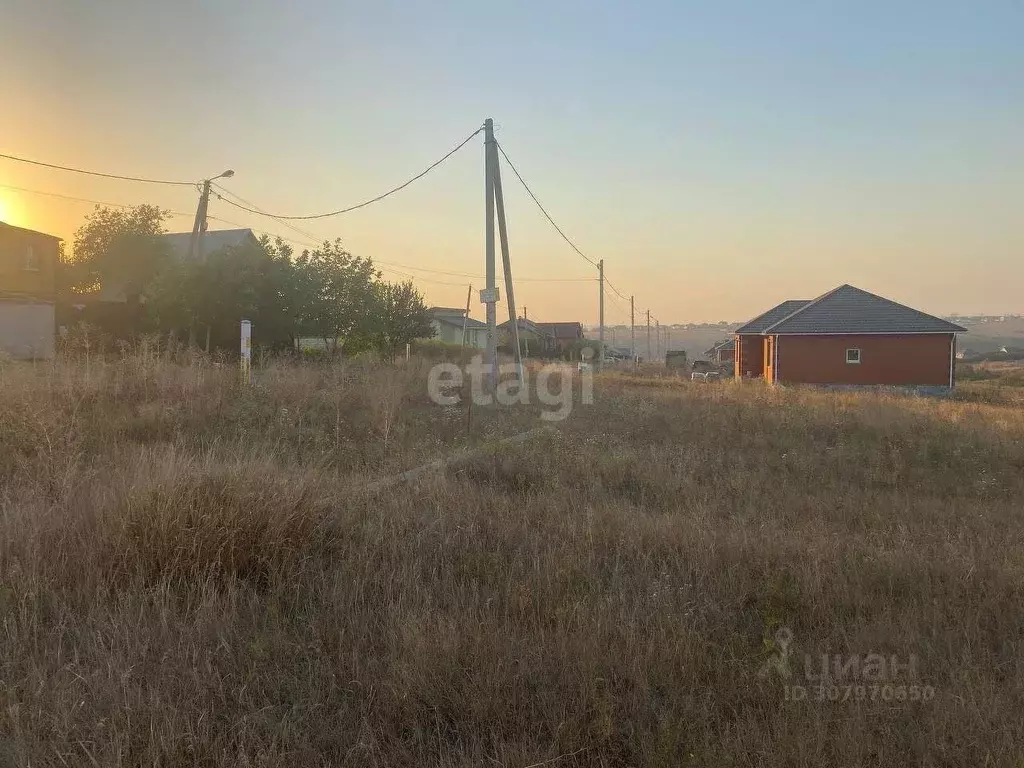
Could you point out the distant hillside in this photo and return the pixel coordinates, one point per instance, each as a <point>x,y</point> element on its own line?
<point>985,334</point>
<point>990,335</point>
<point>695,339</point>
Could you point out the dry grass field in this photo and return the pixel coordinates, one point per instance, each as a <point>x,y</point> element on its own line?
<point>193,573</point>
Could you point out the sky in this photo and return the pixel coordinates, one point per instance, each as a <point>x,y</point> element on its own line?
<point>720,157</point>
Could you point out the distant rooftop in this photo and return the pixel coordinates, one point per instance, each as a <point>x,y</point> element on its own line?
<point>5,225</point>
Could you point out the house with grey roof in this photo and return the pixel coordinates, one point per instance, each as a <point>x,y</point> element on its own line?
<point>448,324</point>
<point>565,335</point>
<point>177,245</point>
<point>848,336</point>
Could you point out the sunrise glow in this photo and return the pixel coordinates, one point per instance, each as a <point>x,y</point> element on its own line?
<point>8,210</point>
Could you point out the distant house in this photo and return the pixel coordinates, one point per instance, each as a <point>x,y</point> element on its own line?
<point>532,332</point>
<point>722,352</point>
<point>178,245</point>
<point>847,336</point>
<point>448,322</point>
<point>565,335</point>
<point>28,292</point>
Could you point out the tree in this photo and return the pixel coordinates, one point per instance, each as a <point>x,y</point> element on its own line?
<point>333,293</point>
<point>119,249</point>
<point>400,315</point>
<point>254,282</point>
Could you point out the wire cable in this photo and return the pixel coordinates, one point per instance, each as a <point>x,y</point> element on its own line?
<point>97,173</point>
<point>262,212</point>
<point>616,290</point>
<point>378,198</point>
<point>314,237</point>
<point>80,199</point>
<point>542,210</point>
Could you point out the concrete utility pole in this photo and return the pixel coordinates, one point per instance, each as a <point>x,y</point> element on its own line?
<point>600,333</point>
<point>489,295</point>
<point>195,243</point>
<point>657,336</point>
<point>465,320</point>
<point>200,225</point>
<point>648,335</point>
<point>506,260</point>
<point>632,330</point>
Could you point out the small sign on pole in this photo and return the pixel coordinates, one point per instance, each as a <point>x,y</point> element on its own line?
<point>245,360</point>
<point>490,295</point>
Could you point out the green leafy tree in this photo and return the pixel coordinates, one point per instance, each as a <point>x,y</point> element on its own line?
<point>253,282</point>
<point>333,293</point>
<point>118,249</point>
<point>399,316</point>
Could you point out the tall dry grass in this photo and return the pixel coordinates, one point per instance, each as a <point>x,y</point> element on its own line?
<point>191,573</point>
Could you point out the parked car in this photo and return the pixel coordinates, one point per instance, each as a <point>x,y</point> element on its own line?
<point>705,375</point>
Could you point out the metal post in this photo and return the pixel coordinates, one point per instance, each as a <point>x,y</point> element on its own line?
<point>490,297</point>
<point>245,358</point>
<point>632,330</point>
<point>648,335</point>
<point>499,204</point>
<point>600,333</point>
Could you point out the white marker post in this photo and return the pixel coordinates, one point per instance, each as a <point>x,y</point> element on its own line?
<point>245,361</point>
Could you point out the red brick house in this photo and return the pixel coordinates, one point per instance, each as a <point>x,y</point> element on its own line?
<point>29,262</point>
<point>847,337</point>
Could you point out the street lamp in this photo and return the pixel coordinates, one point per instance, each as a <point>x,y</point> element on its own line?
<point>200,225</point>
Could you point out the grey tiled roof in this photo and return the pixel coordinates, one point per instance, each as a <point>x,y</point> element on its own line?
<point>456,322</point>
<point>213,241</point>
<point>723,346</point>
<point>524,325</point>
<point>563,330</point>
<point>177,244</point>
<point>851,310</point>
<point>772,316</point>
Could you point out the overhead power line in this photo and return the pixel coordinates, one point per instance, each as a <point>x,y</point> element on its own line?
<point>318,242</point>
<point>378,198</point>
<point>80,199</point>
<point>542,209</point>
<point>262,212</point>
<point>97,173</point>
<point>621,295</point>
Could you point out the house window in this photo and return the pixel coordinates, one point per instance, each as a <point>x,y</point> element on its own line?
<point>853,356</point>
<point>31,260</point>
